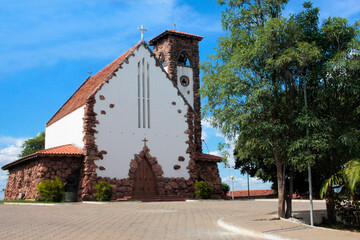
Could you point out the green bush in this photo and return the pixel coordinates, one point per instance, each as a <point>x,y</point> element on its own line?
<point>51,191</point>
<point>203,190</point>
<point>348,211</point>
<point>225,188</point>
<point>103,191</point>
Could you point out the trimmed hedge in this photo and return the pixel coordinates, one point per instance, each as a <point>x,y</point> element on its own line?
<point>103,191</point>
<point>203,190</point>
<point>51,191</point>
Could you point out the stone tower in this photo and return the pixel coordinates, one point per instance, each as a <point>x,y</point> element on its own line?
<point>178,52</point>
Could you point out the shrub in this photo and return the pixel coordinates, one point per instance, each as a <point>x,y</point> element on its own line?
<point>348,211</point>
<point>225,188</point>
<point>103,191</point>
<point>52,190</point>
<point>203,190</point>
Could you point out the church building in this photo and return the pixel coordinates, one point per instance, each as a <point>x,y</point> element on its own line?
<point>135,124</point>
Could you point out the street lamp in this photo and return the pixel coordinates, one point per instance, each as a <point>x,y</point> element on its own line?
<point>232,181</point>
<point>309,167</point>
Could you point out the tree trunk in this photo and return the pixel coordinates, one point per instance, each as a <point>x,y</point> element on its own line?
<point>291,191</point>
<point>330,208</point>
<point>280,169</point>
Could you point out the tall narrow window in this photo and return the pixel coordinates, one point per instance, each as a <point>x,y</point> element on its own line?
<point>148,94</point>
<point>143,92</point>
<point>139,117</point>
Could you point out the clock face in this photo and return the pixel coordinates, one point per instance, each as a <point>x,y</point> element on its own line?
<point>184,80</point>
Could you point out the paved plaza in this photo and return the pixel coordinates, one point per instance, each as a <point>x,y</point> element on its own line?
<point>123,220</point>
<point>133,220</point>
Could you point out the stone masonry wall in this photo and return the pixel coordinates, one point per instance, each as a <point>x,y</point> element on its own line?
<point>209,172</point>
<point>170,48</point>
<point>166,186</point>
<point>23,178</point>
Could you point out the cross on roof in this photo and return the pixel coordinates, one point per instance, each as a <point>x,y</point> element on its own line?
<point>89,72</point>
<point>142,29</point>
<point>145,140</point>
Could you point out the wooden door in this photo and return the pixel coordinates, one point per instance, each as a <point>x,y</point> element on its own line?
<point>144,180</point>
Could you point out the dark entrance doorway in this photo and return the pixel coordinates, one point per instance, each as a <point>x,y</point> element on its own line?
<point>144,181</point>
<point>71,187</point>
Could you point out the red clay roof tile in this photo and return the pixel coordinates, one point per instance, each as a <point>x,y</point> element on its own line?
<point>68,149</point>
<point>253,193</point>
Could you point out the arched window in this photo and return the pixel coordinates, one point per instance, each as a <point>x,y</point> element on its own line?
<point>162,59</point>
<point>183,60</point>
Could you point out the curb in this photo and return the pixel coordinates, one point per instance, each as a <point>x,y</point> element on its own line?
<point>247,232</point>
<point>32,204</point>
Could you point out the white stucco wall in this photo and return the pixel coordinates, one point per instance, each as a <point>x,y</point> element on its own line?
<point>67,130</point>
<point>187,91</point>
<point>118,131</point>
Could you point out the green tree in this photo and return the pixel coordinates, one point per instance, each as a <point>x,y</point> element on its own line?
<point>33,145</point>
<point>251,84</point>
<point>255,85</point>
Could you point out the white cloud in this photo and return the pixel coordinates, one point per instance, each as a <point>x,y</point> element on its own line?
<point>240,183</point>
<point>43,32</point>
<point>204,135</point>
<point>205,123</point>
<point>11,148</point>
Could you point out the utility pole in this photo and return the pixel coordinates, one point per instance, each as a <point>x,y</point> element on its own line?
<point>309,167</point>
<point>232,181</point>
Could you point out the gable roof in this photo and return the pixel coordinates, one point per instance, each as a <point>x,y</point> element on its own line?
<point>64,150</point>
<point>90,85</point>
<point>176,33</point>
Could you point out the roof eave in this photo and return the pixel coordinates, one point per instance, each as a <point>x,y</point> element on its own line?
<point>168,32</point>
<point>35,155</point>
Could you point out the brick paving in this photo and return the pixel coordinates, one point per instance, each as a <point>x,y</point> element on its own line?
<point>123,220</point>
<point>157,220</point>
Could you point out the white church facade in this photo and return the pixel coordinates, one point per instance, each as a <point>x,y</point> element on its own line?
<point>135,124</point>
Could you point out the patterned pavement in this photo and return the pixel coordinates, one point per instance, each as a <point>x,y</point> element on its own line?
<point>122,220</point>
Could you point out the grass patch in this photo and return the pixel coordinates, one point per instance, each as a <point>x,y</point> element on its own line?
<point>29,201</point>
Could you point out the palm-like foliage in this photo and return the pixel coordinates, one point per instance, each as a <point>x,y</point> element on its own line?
<point>352,174</point>
<point>349,176</point>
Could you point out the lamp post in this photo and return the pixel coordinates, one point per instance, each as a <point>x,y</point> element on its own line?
<point>309,167</point>
<point>232,183</point>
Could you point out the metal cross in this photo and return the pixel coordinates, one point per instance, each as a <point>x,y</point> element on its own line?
<point>142,29</point>
<point>145,140</point>
<point>89,72</point>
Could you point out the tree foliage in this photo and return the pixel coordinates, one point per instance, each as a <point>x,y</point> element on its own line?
<point>33,145</point>
<point>254,85</point>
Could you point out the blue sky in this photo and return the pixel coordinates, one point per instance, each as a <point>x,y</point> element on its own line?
<point>48,47</point>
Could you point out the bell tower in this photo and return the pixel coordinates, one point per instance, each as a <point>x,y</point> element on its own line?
<point>178,52</point>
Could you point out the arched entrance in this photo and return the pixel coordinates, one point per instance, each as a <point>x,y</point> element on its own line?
<point>144,184</point>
